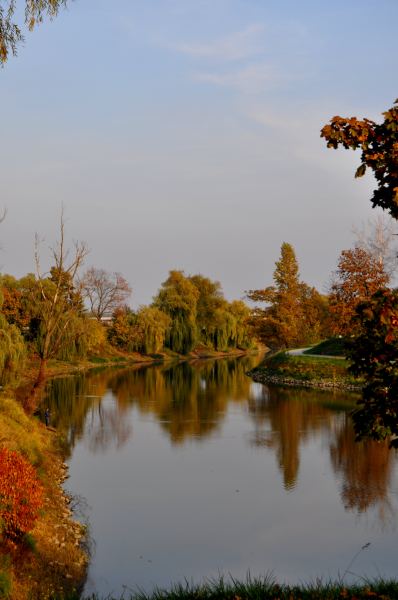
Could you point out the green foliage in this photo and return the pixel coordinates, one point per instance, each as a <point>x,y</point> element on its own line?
<point>265,588</point>
<point>335,346</point>
<point>374,356</point>
<point>18,432</point>
<point>12,349</point>
<point>5,585</point>
<point>153,325</point>
<point>178,298</point>
<point>82,337</point>
<point>309,368</point>
<point>379,145</point>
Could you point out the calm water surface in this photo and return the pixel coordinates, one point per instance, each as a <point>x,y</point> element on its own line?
<point>193,470</point>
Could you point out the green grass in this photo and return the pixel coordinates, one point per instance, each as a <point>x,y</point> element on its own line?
<point>262,589</point>
<point>309,369</point>
<point>5,585</point>
<point>332,347</point>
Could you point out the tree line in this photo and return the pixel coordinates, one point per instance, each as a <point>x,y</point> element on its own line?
<point>61,314</point>
<point>296,314</point>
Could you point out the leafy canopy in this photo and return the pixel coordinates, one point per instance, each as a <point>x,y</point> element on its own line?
<point>379,145</point>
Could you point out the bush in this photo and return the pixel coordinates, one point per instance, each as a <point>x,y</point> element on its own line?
<point>21,494</point>
<point>5,585</point>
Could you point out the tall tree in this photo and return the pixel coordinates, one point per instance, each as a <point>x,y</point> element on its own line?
<point>358,276</point>
<point>12,348</point>
<point>10,30</point>
<point>178,298</point>
<point>375,351</point>
<point>59,300</point>
<point>278,325</point>
<point>374,356</point>
<point>105,292</point>
<point>316,323</point>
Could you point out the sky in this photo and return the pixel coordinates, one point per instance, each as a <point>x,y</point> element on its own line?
<point>184,134</point>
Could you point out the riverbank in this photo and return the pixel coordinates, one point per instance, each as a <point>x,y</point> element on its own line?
<point>59,368</point>
<point>55,563</point>
<point>305,370</point>
<point>52,560</point>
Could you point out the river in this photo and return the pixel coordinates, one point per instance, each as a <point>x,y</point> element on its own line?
<point>193,470</point>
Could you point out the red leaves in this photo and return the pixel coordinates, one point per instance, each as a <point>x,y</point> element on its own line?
<point>21,494</point>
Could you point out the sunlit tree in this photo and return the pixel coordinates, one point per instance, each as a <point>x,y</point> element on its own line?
<point>358,276</point>
<point>278,324</point>
<point>178,298</point>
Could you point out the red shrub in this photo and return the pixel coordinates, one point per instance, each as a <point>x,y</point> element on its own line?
<point>21,494</point>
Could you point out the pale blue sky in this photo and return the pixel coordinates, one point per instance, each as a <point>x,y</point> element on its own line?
<point>185,134</point>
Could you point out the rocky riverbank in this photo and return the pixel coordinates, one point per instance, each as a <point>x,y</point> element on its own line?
<point>51,561</point>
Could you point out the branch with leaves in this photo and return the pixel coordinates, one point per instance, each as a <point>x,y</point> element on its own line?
<point>11,35</point>
<point>379,145</point>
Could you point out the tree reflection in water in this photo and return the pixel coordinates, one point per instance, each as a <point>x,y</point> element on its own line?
<point>190,400</point>
<point>285,418</point>
<point>366,470</point>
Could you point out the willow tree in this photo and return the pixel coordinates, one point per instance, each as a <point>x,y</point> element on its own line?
<point>210,312</point>
<point>153,325</point>
<point>178,298</point>
<point>242,336</point>
<point>12,348</point>
<point>11,35</point>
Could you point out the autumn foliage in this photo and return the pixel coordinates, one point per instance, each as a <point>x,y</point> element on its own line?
<point>21,494</point>
<point>379,145</point>
<point>374,356</point>
<point>358,277</point>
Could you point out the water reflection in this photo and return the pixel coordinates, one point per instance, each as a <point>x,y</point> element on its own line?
<point>285,418</point>
<point>365,470</point>
<point>190,401</point>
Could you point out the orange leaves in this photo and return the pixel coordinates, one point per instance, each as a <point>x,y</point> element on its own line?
<point>21,494</point>
<point>378,143</point>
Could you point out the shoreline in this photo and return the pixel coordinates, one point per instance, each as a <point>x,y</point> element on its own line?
<point>306,370</point>
<point>57,564</point>
<point>261,376</point>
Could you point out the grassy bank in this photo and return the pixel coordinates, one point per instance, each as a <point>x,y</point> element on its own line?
<point>264,589</point>
<point>51,559</point>
<point>331,347</point>
<point>307,371</point>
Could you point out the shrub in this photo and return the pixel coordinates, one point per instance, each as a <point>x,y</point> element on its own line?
<point>5,585</point>
<point>21,494</point>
